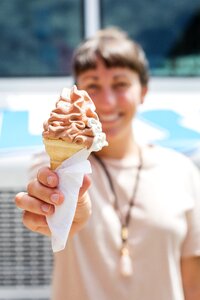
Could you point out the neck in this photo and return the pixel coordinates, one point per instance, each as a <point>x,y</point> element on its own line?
<point>119,149</point>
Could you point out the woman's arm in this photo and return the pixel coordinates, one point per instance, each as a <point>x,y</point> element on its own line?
<point>190,268</point>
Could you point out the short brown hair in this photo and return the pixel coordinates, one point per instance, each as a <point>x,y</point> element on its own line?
<point>115,49</point>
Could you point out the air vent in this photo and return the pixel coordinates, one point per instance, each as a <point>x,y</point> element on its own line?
<point>25,257</point>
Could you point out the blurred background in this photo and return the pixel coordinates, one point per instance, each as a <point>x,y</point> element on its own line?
<point>37,39</point>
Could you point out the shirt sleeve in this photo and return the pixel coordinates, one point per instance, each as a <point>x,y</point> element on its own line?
<point>191,245</point>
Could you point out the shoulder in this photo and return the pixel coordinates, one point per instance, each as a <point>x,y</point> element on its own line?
<point>172,157</point>
<point>179,164</point>
<point>169,161</point>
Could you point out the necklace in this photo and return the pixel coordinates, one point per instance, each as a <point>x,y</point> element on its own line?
<point>125,259</point>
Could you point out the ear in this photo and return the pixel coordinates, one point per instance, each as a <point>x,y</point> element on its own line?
<point>143,93</point>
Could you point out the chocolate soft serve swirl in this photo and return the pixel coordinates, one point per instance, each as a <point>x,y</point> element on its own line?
<point>74,120</point>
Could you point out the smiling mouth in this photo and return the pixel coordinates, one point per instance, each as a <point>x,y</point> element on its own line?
<point>110,117</point>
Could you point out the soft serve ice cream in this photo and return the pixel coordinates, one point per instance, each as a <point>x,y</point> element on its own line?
<point>73,124</point>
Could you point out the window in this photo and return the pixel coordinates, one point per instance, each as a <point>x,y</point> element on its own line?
<point>167,30</point>
<point>38,36</point>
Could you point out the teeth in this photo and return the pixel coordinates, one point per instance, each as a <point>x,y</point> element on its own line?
<point>108,118</point>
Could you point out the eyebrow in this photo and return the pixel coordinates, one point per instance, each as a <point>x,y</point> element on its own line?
<point>90,77</point>
<point>118,76</point>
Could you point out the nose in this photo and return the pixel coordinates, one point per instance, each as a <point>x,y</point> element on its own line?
<point>108,98</point>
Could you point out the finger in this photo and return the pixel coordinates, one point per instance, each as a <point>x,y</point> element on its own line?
<point>47,194</point>
<point>47,177</point>
<point>28,203</point>
<point>36,223</point>
<point>86,184</point>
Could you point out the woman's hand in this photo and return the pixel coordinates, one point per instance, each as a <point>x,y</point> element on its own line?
<point>41,198</point>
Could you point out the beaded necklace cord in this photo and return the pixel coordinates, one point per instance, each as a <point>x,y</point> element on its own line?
<point>125,259</point>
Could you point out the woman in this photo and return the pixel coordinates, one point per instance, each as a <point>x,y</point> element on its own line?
<point>142,239</point>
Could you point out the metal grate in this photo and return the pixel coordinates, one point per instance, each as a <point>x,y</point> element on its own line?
<point>25,257</point>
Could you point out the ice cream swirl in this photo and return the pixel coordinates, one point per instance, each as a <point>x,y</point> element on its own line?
<point>74,120</point>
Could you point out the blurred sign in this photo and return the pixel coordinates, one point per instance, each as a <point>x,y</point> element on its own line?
<point>172,120</point>
<point>21,121</point>
<point>173,123</point>
<point>15,129</point>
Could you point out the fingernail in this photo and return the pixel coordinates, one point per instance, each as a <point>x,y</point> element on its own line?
<point>55,198</point>
<point>45,207</point>
<point>50,180</point>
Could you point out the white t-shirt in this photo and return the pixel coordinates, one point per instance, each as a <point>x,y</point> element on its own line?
<point>164,226</point>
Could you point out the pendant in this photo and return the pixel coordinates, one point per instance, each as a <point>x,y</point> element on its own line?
<point>126,268</point>
<point>124,233</point>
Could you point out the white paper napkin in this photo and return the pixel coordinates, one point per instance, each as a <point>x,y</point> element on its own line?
<point>71,173</point>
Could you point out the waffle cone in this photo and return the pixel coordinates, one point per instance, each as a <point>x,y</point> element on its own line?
<point>59,151</point>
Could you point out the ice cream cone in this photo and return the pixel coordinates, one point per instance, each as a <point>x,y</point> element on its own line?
<point>59,150</point>
<point>72,125</point>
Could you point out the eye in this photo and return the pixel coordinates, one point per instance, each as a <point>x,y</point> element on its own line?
<point>92,88</point>
<point>121,86</point>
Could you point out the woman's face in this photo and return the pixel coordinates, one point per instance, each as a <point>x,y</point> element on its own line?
<point>116,93</point>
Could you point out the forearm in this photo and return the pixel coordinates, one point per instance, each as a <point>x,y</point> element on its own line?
<point>191,277</point>
<point>192,293</point>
